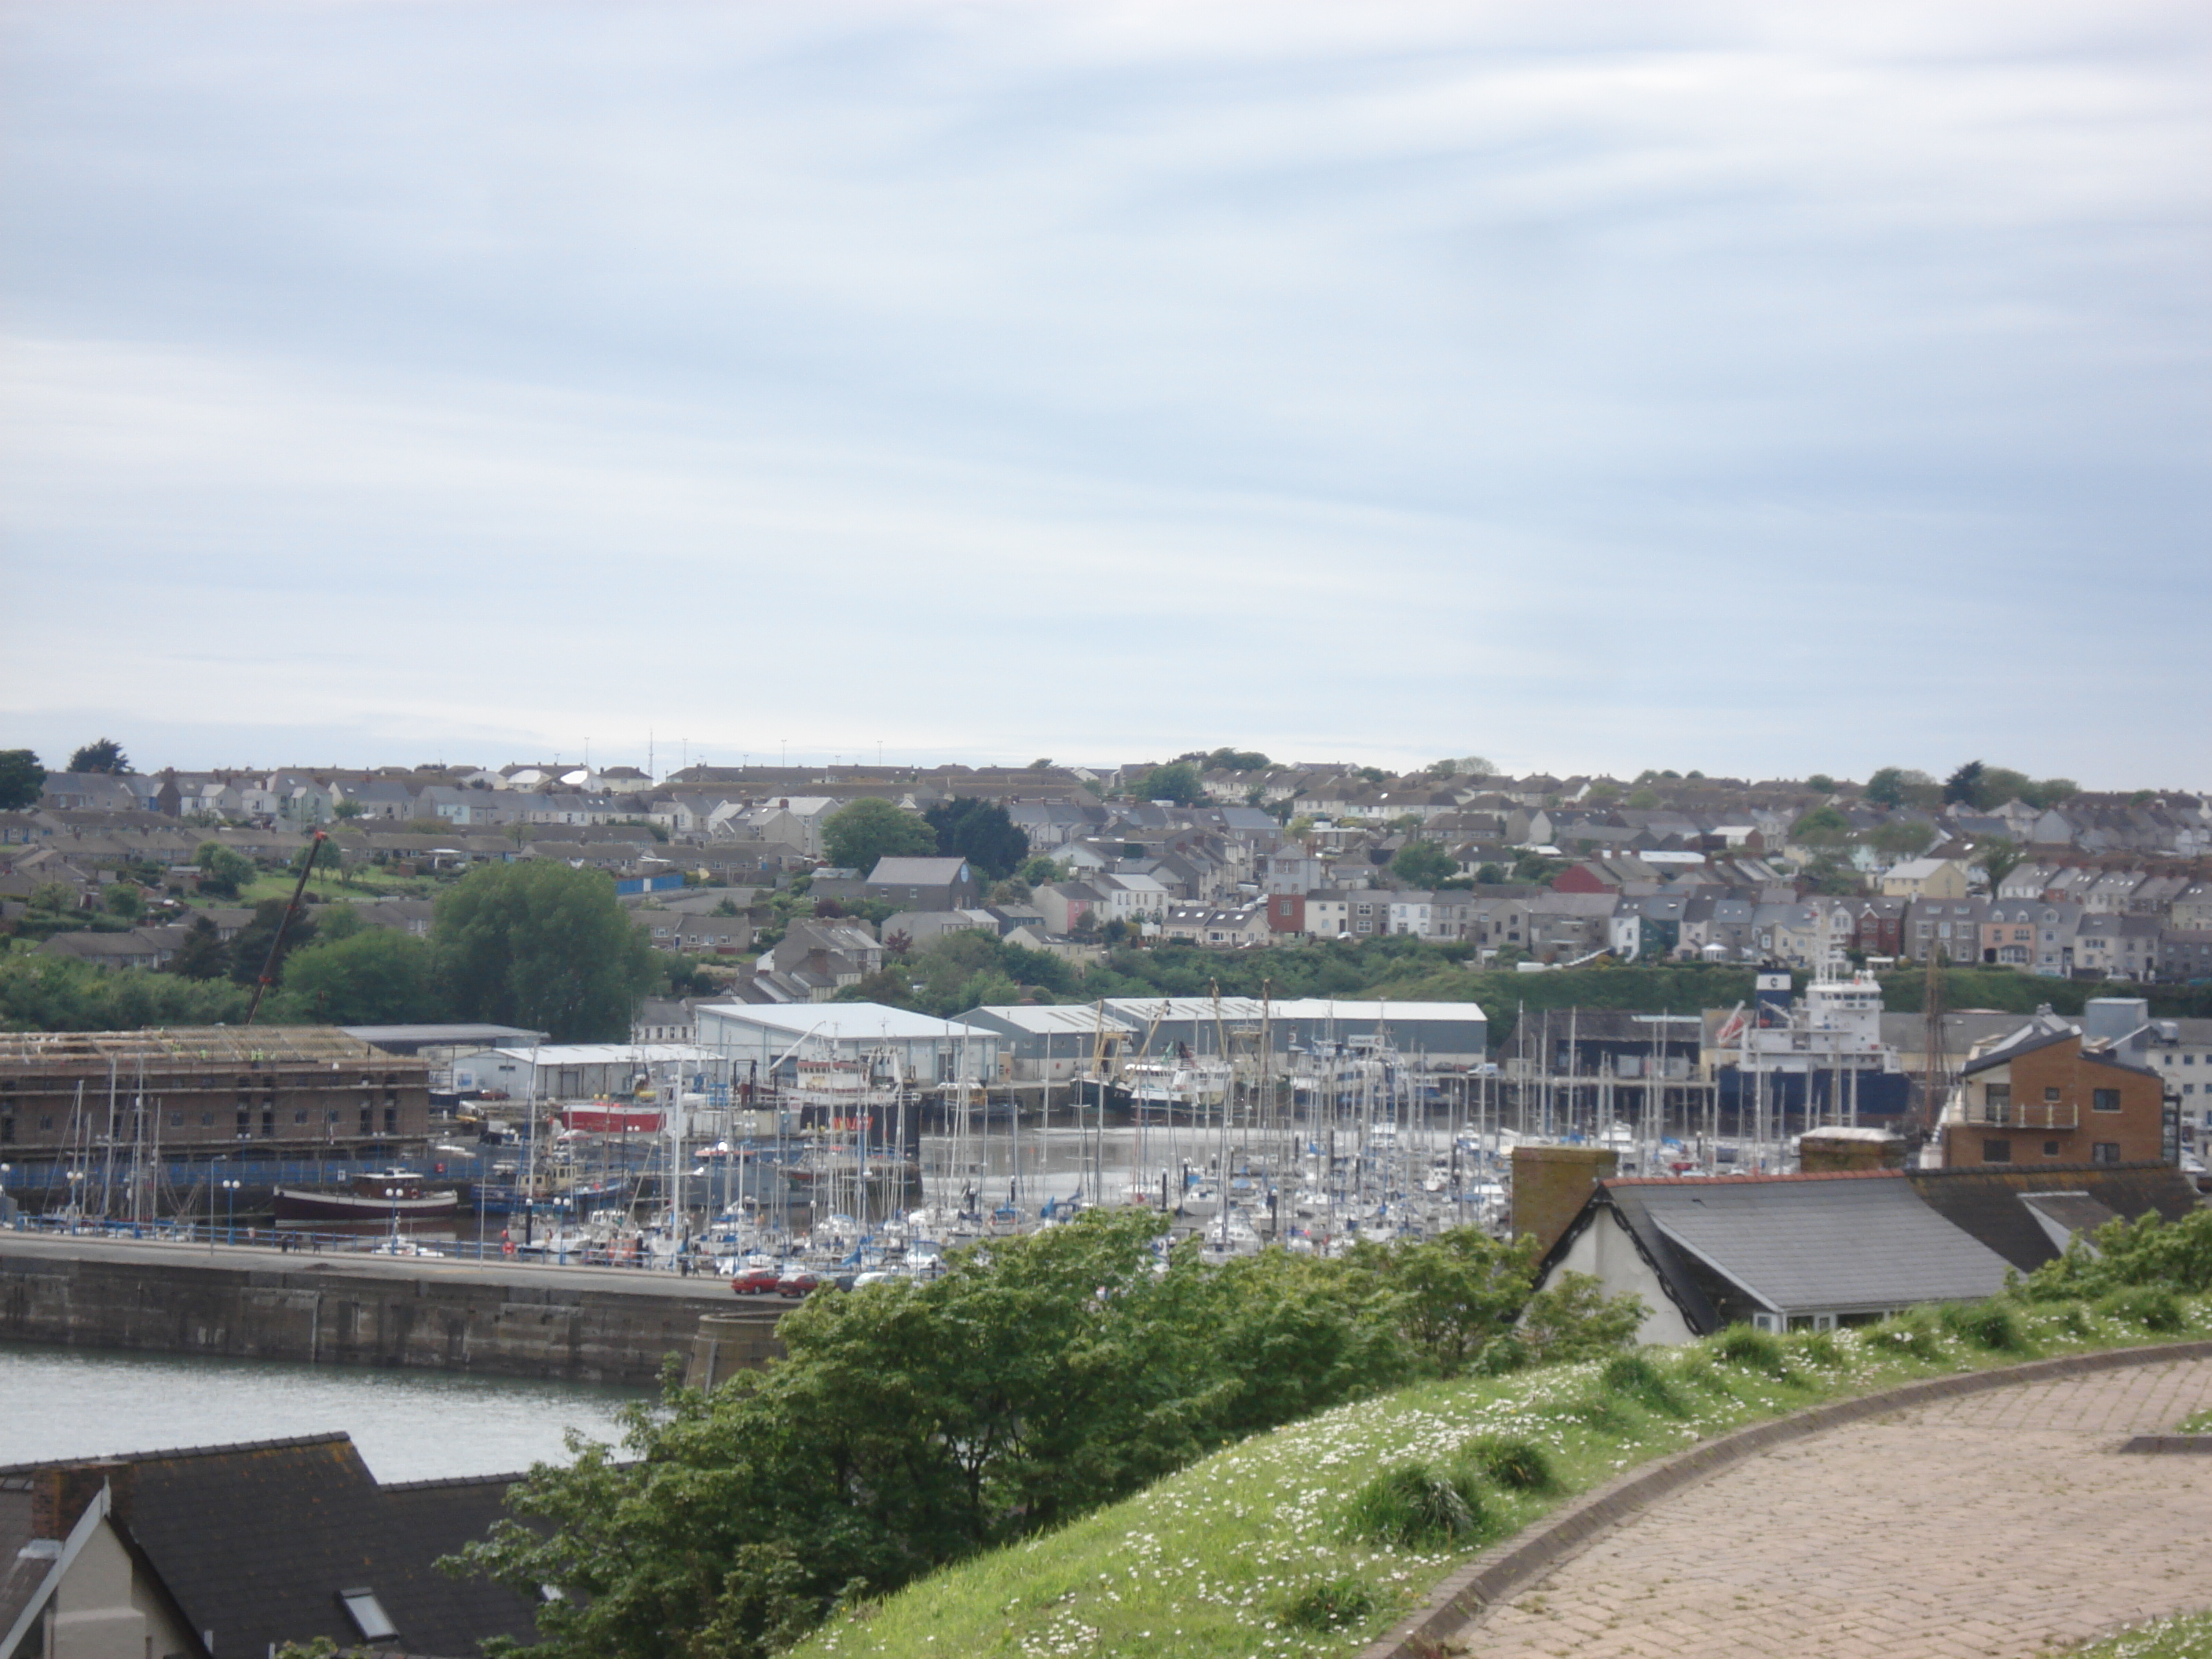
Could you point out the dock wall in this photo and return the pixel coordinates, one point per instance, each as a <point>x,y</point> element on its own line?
<point>561,1331</point>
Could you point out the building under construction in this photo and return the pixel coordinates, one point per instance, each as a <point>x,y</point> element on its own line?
<point>195,1093</point>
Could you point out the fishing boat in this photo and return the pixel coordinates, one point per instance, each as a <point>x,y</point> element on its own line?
<point>611,1117</point>
<point>387,1198</point>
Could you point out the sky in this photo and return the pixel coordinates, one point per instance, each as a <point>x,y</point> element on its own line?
<point>1761,388</point>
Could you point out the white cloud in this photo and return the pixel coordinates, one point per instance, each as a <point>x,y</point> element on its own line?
<point>1592,386</point>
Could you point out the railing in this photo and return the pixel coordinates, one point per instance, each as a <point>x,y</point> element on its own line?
<point>286,1241</point>
<point>2030,1115</point>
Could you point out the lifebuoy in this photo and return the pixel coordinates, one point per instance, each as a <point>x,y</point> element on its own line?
<point>507,1247</point>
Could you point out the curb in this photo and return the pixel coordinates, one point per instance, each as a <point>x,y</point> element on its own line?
<point>1534,1551</point>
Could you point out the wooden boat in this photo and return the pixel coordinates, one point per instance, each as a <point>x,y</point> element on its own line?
<point>383,1198</point>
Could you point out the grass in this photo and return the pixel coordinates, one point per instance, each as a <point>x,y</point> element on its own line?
<point>1271,1547</point>
<point>2200,1424</point>
<point>2185,1636</point>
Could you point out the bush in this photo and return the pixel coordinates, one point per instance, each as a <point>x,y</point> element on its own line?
<point>1991,1325</point>
<point>1752,1349</point>
<point>2151,1306</point>
<point>1634,1378</point>
<point>1516,1465</point>
<point>1817,1348</point>
<point>1330,1604</point>
<point>1413,1506</point>
<point>1912,1332</point>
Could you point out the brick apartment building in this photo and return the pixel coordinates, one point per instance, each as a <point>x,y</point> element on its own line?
<point>209,1091</point>
<point>2046,1096</point>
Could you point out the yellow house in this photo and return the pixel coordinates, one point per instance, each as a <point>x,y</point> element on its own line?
<point>1935,878</point>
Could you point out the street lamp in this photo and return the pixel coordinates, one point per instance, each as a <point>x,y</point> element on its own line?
<point>230,1230</point>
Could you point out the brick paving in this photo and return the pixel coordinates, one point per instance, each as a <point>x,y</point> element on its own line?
<point>1992,1525</point>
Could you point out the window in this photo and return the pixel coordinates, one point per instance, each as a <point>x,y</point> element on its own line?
<point>1996,1151</point>
<point>2051,1149</point>
<point>368,1615</point>
<point>2105,1151</point>
<point>2050,1093</point>
<point>245,1121</point>
<point>2105,1100</point>
<point>176,1120</point>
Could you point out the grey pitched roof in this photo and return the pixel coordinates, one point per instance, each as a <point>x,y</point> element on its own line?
<point>1840,1243</point>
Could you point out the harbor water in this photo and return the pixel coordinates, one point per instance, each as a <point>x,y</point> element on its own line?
<point>408,1425</point>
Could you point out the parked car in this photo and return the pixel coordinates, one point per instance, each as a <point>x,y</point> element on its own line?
<point>798,1282</point>
<point>756,1281</point>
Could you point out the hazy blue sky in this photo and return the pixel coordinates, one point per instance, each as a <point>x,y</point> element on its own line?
<point>1756,387</point>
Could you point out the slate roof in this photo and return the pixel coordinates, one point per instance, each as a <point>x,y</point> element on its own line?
<point>1826,1245</point>
<point>916,872</point>
<point>1986,1202</point>
<point>254,1540</point>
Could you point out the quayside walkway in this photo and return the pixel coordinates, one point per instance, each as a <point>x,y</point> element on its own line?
<point>1994,1524</point>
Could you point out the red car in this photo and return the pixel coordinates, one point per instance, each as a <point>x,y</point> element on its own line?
<point>798,1282</point>
<point>755,1281</point>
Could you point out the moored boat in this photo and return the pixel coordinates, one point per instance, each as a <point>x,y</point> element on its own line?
<point>385,1198</point>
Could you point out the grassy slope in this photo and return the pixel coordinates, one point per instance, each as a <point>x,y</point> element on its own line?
<point>2188,1636</point>
<point>1204,1563</point>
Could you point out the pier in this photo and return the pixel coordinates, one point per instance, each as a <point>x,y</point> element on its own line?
<point>498,1317</point>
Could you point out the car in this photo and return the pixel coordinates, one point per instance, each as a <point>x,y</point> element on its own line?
<point>755,1281</point>
<point>798,1282</point>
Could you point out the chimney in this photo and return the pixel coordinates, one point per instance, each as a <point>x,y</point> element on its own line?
<point>1551,1184</point>
<point>59,1496</point>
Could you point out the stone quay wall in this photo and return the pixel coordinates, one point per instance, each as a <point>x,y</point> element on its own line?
<point>536,1325</point>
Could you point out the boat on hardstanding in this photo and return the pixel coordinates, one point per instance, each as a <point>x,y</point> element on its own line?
<point>385,1198</point>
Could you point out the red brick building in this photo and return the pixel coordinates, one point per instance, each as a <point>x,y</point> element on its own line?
<point>2043,1096</point>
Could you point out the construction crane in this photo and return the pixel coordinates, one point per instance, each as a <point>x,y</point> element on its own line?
<point>283,926</point>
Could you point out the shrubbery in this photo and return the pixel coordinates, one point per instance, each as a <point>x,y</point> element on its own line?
<point>913,1424</point>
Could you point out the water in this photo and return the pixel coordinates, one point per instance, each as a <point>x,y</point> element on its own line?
<point>409,1426</point>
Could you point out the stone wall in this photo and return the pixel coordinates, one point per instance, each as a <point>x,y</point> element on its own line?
<point>571,1333</point>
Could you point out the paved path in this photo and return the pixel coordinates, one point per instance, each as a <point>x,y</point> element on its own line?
<point>1994,1524</point>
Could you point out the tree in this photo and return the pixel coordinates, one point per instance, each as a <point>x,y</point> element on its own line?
<point>980,831</point>
<point>1963,787</point>
<point>858,834</point>
<point>1453,1295</point>
<point>223,870</point>
<point>347,809</point>
<point>249,949</point>
<point>1822,783</point>
<point>203,955</point>
<point>1178,782</point>
<point>22,780</point>
<point>377,976</point>
<point>1902,837</point>
<point>1998,856</point>
<point>100,755</point>
<point>538,944</point>
<point>1823,826</point>
<point>123,899</point>
<point>1423,864</point>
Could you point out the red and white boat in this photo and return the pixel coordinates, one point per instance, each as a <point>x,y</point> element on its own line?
<point>612,1117</point>
<point>387,1198</point>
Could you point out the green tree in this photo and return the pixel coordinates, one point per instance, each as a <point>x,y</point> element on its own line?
<point>980,831</point>
<point>1902,837</point>
<point>1821,782</point>
<point>1237,760</point>
<point>1423,864</point>
<point>203,955</point>
<point>54,897</point>
<point>100,755</point>
<point>1998,855</point>
<point>1823,826</point>
<point>1178,782</point>
<point>249,949</point>
<point>536,944</point>
<point>347,809</point>
<point>375,976</point>
<point>124,899</point>
<point>22,780</point>
<point>856,836</point>
<point>223,870</point>
<point>1453,1296</point>
<point>1964,787</point>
